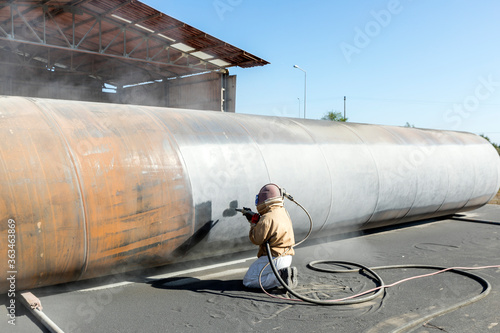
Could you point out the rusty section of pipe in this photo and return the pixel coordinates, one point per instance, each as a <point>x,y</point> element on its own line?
<point>92,188</point>
<point>96,189</point>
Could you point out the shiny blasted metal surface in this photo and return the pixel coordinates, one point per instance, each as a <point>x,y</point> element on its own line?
<point>96,189</point>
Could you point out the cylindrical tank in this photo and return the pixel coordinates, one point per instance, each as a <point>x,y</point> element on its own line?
<point>90,189</point>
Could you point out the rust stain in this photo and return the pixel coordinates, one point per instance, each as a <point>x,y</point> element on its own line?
<point>92,188</point>
<point>32,174</point>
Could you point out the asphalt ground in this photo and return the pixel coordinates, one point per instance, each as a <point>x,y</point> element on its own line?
<point>207,296</point>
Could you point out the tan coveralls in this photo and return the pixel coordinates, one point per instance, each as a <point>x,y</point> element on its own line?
<point>274,225</point>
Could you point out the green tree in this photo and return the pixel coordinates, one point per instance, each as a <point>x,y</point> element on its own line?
<point>409,125</point>
<point>497,147</point>
<point>334,116</point>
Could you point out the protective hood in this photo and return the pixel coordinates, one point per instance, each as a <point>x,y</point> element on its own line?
<point>269,196</point>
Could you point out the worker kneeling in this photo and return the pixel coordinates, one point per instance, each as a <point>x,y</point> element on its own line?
<point>272,224</point>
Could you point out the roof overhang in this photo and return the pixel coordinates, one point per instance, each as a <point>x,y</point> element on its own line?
<point>117,41</point>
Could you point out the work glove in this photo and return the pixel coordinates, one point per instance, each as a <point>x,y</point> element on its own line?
<point>251,216</point>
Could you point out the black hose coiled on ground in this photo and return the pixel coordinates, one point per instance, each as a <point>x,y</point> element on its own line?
<point>381,286</point>
<point>380,283</point>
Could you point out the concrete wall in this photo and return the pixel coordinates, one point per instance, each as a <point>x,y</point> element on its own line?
<point>35,82</point>
<point>210,91</point>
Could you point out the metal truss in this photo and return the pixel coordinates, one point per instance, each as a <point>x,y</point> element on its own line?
<point>67,36</point>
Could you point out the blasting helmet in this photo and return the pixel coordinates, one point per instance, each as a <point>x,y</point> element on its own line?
<point>268,194</point>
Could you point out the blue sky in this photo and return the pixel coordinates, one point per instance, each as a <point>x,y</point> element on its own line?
<point>433,64</point>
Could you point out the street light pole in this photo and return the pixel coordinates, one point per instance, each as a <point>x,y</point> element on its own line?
<point>344,109</point>
<point>305,88</point>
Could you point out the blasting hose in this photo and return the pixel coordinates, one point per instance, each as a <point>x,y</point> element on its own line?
<point>381,286</point>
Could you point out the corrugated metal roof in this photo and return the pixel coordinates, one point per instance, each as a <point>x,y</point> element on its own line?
<point>120,41</point>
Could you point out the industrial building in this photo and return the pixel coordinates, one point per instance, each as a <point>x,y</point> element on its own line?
<point>117,51</point>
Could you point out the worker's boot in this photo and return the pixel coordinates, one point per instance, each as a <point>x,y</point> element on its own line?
<point>289,275</point>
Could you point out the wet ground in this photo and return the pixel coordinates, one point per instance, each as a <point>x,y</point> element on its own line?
<point>208,296</point>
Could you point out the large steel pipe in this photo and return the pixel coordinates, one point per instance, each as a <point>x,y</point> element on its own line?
<point>97,188</point>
